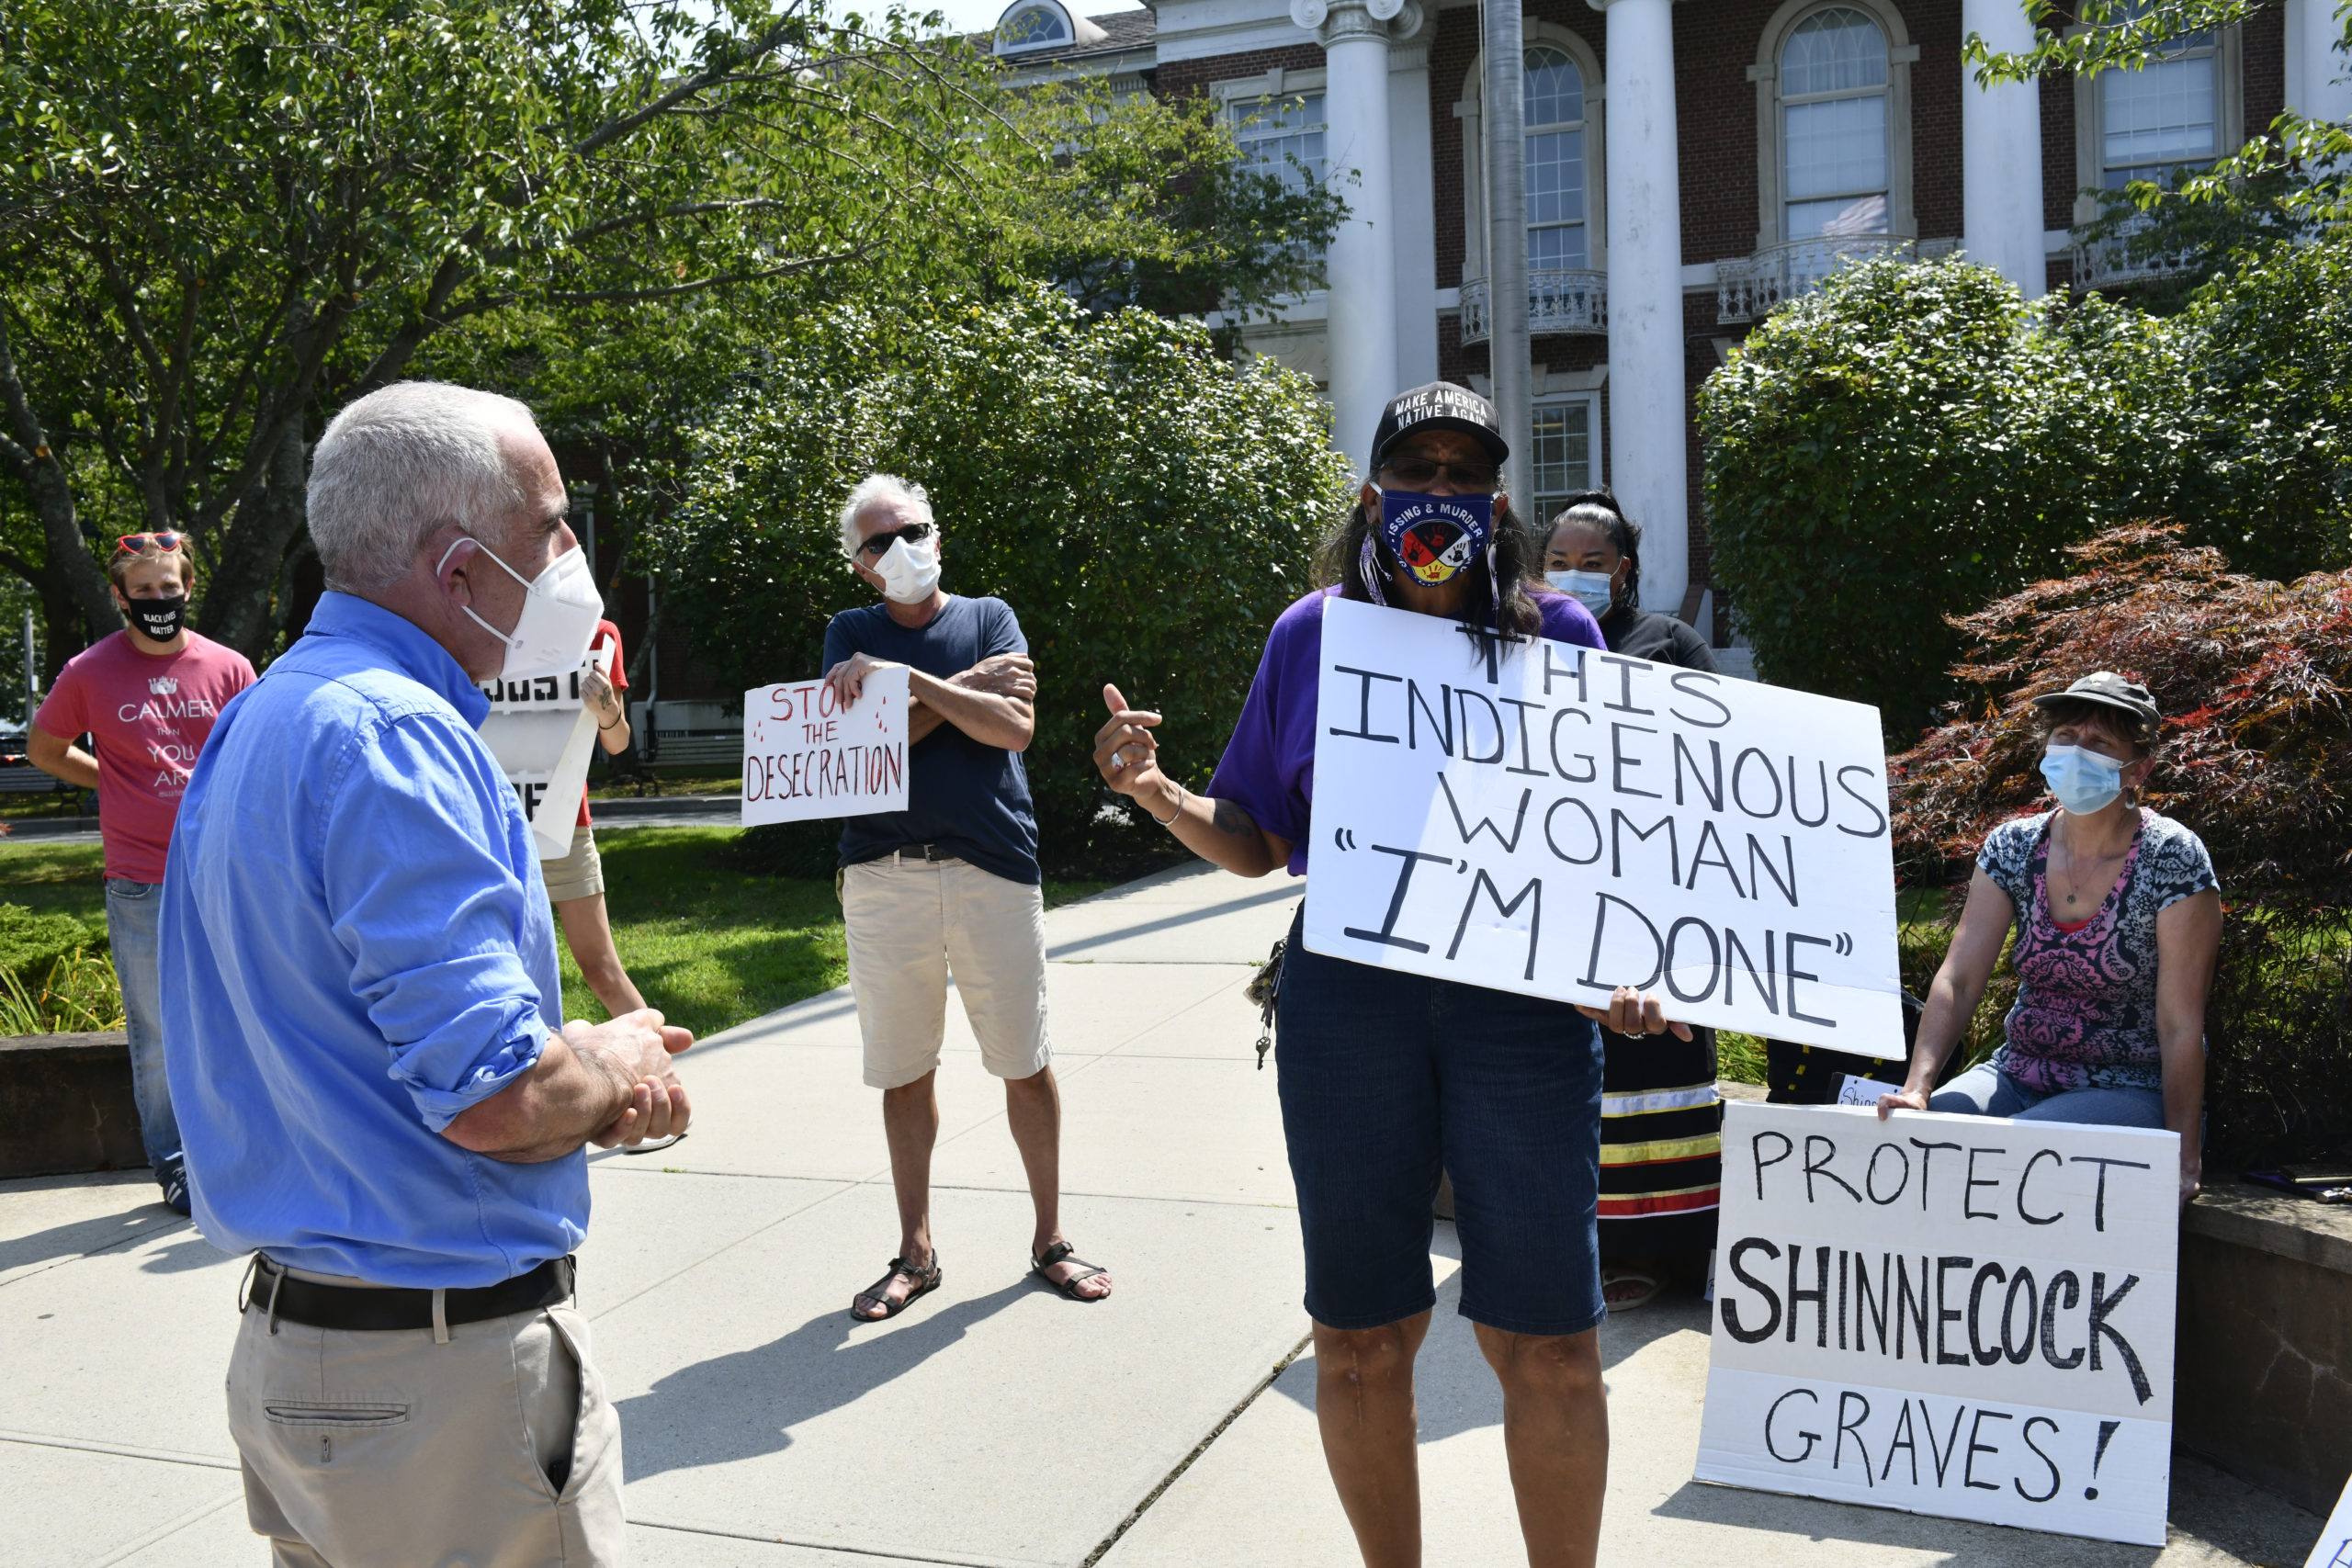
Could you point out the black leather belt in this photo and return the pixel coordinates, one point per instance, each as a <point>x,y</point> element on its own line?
<point>929,851</point>
<point>360,1307</point>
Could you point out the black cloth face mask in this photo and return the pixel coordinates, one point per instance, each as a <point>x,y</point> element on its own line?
<point>160,619</point>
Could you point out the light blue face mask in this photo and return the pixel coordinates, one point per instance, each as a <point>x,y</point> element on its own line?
<point>1593,589</point>
<point>2083,780</point>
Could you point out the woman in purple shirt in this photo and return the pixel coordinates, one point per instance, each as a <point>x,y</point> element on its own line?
<point>1386,1076</point>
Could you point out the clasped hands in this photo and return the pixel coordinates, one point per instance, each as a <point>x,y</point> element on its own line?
<point>638,1049</point>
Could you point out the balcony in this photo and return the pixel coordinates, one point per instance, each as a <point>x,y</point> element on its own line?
<point>2107,262</point>
<point>1748,288</point>
<point>1559,300</point>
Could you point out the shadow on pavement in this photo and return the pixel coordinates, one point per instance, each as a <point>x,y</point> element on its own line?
<point>745,1405</point>
<point>1818,1519</point>
<point>86,1238</point>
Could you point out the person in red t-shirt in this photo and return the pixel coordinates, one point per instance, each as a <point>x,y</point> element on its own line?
<point>576,883</point>
<point>148,697</point>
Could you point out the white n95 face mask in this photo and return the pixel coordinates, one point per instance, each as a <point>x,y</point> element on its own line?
<point>561,609</point>
<point>908,572</point>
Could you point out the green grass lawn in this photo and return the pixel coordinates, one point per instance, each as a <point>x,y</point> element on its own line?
<point>712,946</point>
<point>709,945</point>
<point>67,876</point>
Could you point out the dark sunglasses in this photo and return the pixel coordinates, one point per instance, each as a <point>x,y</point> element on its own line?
<point>1417,472</point>
<point>136,544</point>
<point>876,546</point>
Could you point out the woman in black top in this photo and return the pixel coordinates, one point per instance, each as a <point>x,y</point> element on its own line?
<point>1661,1160</point>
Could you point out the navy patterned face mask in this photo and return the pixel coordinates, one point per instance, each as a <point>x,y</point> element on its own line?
<point>1435,537</point>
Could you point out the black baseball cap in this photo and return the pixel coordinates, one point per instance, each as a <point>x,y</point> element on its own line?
<point>2106,689</point>
<point>1440,405</point>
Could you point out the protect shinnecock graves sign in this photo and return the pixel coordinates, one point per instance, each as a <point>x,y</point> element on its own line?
<point>1559,820</point>
<point>805,756</point>
<point>1948,1315</point>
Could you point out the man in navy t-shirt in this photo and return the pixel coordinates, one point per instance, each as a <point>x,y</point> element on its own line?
<point>950,882</point>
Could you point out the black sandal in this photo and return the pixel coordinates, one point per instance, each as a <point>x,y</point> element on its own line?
<point>1060,1253</point>
<point>926,1280</point>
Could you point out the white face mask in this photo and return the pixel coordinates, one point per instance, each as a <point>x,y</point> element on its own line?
<point>560,610</point>
<point>1593,589</point>
<point>908,572</point>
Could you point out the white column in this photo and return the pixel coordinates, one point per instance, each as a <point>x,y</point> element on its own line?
<point>1412,190</point>
<point>2319,75</point>
<point>1360,327</point>
<point>1505,131</point>
<point>1648,422</point>
<point>2000,154</point>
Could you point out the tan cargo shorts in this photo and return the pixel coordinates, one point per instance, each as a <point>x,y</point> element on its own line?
<point>909,922</point>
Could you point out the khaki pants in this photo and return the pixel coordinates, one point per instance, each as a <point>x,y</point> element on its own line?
<point>385,1449</point>
<point>907,920</point>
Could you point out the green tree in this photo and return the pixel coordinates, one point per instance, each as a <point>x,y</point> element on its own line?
<point>1912,440</point>
<point>220,219</point>
<point>1145,507</point>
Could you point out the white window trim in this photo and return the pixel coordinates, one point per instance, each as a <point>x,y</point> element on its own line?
<point>1901,55</point>
<point>2090,129</point>
<point>1237,94</point>
<point>1597,470</point>
<point>1070,40</point>
<point>1470,112</point>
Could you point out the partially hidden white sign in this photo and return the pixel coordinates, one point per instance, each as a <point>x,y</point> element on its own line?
<point>1558,820</point>
<point>543,736</point>
<point>1947,1314</point>
<point>805,756</point>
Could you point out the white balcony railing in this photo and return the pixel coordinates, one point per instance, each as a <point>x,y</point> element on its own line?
<point>1748,288</point>
<point>1559,299</point>
<point>2108,263</point>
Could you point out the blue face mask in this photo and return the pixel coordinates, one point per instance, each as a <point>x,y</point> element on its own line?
<point>2083,780</point>
<point>1593,589</point>
<point>1437,536</point>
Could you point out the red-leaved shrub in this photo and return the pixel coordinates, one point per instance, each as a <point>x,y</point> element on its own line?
<point>2256,680</point>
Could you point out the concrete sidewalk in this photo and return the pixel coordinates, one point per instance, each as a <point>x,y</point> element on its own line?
<point>994,1423</point>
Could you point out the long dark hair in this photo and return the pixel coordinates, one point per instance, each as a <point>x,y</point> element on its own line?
<point>1500,578</point>
<point>1598,509</point>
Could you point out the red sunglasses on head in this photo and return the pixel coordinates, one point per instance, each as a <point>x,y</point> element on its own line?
<point>136,544</point>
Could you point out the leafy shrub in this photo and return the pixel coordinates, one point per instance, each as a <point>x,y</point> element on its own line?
<point>1916,440</point>
<point>29,943</point>
<point>2268,351</point>
<point>1145,508</point>
<point>1907,443</point>
<point>2256,680</point>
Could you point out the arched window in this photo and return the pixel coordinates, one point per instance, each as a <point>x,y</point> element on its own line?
<point>1031,27</point>
<point>1832,100</point>
<point>1553,92</point>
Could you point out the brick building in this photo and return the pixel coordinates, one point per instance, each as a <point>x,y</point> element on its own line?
<point>1682,168</point>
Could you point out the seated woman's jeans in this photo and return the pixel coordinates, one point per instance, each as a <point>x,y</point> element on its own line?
<point>1983,1091</point>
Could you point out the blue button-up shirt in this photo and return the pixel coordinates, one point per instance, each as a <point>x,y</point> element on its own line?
<point>357,946</point>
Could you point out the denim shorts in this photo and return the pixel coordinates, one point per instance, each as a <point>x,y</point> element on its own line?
<point>1387,1078</point>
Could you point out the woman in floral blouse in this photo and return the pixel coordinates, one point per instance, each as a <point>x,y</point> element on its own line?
<point>2117,915</point>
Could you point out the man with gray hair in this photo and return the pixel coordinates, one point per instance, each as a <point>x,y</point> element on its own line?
<point>378,1093</point>
<point>950,882</point>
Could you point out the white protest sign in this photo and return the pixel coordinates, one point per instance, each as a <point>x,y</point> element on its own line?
<point>1947,1314</point>
<point>805,756</point>
<point>543,735</point>
<point>1559,820</point>
<point>1853,1090</point>
<point>2335,1546</point>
